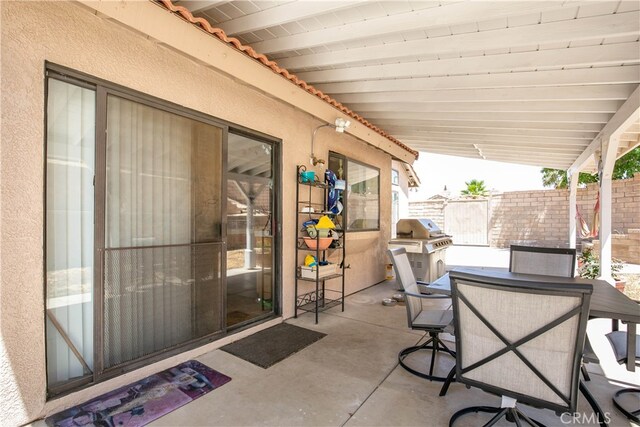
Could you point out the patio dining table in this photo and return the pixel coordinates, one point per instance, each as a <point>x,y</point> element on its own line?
<point>606,301</point>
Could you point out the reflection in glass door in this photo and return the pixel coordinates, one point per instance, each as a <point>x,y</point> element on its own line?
<point>250,240</point>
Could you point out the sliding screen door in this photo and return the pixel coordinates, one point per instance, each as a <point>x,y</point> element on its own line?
<point>163,243</point>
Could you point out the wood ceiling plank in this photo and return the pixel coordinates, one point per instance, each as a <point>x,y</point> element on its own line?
<point>438,17</point>
<point>575,149</point>
<point>425,124</point>
<point>200,5</point>
<point>570,30</point>
<point>503,116</point>
<point>536,161</point>
<point>286,13</point>
<point>597,56</point>
<point>497,144</point>
<point>541,135</point>
<point>498,107</point>
<point>550,93</point>
<point>629,74</point>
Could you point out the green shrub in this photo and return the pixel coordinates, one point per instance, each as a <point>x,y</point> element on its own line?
<point>589,265</point>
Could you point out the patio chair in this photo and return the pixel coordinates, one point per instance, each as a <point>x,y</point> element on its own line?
<point>420,317</point>
<point>521,340</point>
<point>618,341</point>
<point>560,262</point>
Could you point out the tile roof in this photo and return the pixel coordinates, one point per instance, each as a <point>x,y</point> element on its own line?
<point>248,50</point>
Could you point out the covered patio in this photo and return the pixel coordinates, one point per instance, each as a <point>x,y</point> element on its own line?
<point>550,84</point>
<point>124,119</point>
<point>351,377</point>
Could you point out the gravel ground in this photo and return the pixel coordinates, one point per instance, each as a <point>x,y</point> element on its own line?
<point>632,287</point>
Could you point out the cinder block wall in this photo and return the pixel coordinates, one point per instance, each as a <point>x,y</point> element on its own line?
<point>433,209</point>
<point>541,217</point>
<point>625,247</point>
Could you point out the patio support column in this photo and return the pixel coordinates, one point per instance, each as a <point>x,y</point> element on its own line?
<point>573,199</point>
<point>605,170</point>
<point>250,195</point>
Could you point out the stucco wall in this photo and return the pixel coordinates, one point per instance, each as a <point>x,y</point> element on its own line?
<point>71,35</point>
<point>402,189</point>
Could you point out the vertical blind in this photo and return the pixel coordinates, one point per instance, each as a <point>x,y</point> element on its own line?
<point>161,276</point>
<point>69,231</point>
<point>160,200</point>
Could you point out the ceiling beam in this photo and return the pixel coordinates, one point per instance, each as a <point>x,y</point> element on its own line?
<point>597,56</point>
<point>282,14</point>
<point>548,154</point>
<point>250,164</point>
<point>496,145</point>
<point>585,76</point>
<point>525,107</point>
<point>541,134</point>
<point>426,124</point>
<point>621,120</point>
<point>472,153</point>
<point>534,161</point>
<point>443,16</point>
<point>614,25</point>
<point>562,93</point>
<point>238,177</point>
<point>493,116</point>
<point>515,146</point>
<point>582,139</point>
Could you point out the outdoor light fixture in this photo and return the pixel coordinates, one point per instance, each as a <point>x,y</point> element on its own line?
<point>340,126</point>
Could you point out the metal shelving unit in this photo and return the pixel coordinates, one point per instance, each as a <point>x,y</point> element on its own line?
<point>322,298</point>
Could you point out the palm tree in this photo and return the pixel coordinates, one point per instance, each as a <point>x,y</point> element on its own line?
<point>475,188</point>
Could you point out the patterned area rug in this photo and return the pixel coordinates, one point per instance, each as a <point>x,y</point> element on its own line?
<point>140,403</point>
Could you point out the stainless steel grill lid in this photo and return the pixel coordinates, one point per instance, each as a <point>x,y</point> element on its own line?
<point>417,228</point>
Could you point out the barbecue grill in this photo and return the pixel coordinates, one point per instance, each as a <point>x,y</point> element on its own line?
<point>426,247</point>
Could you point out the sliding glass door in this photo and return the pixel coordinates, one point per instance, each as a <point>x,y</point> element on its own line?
<point>250,236</point>
<point>163,231</point>
<point>159,230</point>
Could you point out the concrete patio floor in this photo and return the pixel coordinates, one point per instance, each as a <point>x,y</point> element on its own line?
<point>351,377</point>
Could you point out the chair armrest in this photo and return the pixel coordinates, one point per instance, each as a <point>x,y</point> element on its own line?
<point>421,296</point>
<point>434,295</point>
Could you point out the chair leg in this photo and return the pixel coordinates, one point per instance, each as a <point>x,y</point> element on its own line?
<point>444,347</point>
<point>448,381</point>
<point>473,409</point>
<point>585,374</point>
<point>633,415</point>
<point>434,344</point>
<point>530,421</point>
<point>602,420</point>
<point>496,418</point>
<point>434,350</point>
<point>512,414</point>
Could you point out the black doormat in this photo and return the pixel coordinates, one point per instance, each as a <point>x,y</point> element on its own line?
<point>268,347</point>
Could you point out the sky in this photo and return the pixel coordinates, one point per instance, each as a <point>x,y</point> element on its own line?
<point>436,170</point>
